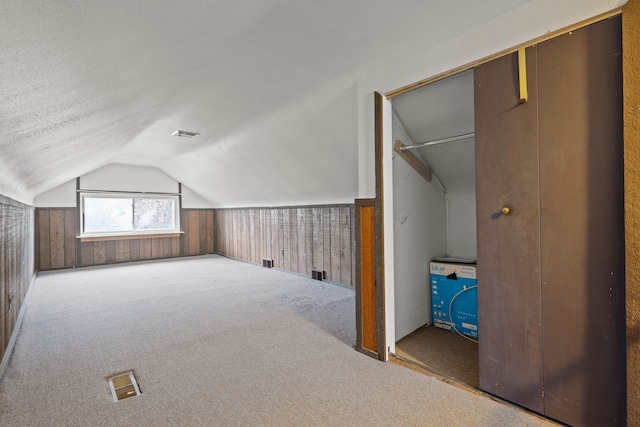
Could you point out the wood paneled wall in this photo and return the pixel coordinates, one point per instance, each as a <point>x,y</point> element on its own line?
<point>297,239</point>
<point>57,245</point>
<point>16,264</point>
<point>631,90</point>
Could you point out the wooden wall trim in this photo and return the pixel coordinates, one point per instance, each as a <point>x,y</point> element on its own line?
<point>631,105</point>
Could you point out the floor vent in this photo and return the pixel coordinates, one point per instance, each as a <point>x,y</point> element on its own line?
<point>317,274</point>
<point>267,263</point>
<point>123,386</point>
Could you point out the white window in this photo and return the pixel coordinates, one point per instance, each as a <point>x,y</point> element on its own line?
<point>120,214</point>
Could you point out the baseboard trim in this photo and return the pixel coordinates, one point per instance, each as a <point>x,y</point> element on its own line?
<point>14,335</point>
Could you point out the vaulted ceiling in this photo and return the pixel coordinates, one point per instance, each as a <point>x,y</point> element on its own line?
<point>271,87</point>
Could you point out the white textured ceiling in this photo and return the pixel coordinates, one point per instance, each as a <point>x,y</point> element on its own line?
<point>270,85</point>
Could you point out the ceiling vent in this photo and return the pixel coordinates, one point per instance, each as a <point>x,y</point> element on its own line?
<point>184,133</point>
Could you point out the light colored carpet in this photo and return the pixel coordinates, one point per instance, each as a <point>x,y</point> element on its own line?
<point>213,342</point>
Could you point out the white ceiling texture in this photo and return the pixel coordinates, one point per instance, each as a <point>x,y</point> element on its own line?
<point>271,86</point>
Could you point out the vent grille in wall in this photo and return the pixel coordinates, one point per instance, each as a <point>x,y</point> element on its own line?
<point>267,263</point>
<point>123,386</point>
<point>317,274</point>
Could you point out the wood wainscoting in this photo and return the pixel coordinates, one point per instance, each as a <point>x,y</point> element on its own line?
<point>56,244</point>
<point>16,265</point>
<point>296,239</point>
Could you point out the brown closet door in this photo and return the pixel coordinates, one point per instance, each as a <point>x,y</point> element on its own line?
<point>582,225</point>
<point>509,307</point>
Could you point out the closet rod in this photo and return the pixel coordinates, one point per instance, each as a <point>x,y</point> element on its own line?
<point>439,141</point>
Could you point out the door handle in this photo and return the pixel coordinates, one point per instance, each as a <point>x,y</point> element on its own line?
<point>504,211</point>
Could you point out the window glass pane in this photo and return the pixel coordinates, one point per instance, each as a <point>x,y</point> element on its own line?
<point>107,214</point>
<point>153,214</point>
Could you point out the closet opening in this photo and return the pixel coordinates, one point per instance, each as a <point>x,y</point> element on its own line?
<point>434,223</point>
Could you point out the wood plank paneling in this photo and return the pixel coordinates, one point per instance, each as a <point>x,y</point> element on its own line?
<point>110,248</point>
<point>218,243</point>
<point>286,239</point>
<point>307,235</point>
<point>86,255</point>
<point>297,239</point>
<point>145,249</point>
<point>194,232</point>
<point>17,262</point>
<point>184,241</point>
<point>56,238</point>
<point>266,222</point>
<point>293,240</point>
<point>202,239</point>
<point>156,248</point>
<point>36,234</point>
<point>100,252</point>
<point>253,233</point>
<point>58,247</point>
<point>631,90</point>
<point>70,241</point>
<point>302,242</point>
<point>123,251</point>
<point>246,248</point>
<point>134,249</point>
<point>226,235</point>
<point>235,234</point>
<point>175,247</point>
<point>275,239</point>
<point>308,231</point>
<point>45,240</point>
<point>257,233</point>
<point>348,257</point>
<point>326,241</point>
<point>318,238</point>
<point>335,230</point>
<point>210,236</point>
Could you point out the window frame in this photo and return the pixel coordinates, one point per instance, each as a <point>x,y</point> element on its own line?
<point>128,233</point>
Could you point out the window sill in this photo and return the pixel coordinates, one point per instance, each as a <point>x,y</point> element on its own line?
<point>127,237</point>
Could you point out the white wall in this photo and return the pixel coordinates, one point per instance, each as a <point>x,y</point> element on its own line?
<point>118,177</point>
<point>419,225</point>
<point>461,227</point>
<point>62,196</point>
<point>192,200</point>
